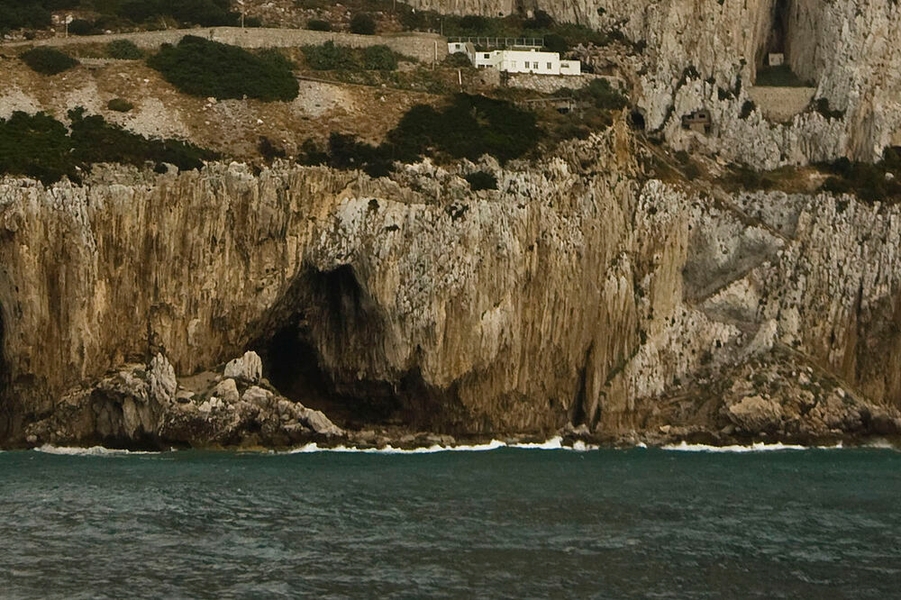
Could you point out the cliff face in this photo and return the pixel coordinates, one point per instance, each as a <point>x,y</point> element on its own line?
<point>706,54</point>
<point>576,294</point>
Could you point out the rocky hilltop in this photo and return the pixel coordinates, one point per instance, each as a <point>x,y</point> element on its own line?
<point>580,296</point>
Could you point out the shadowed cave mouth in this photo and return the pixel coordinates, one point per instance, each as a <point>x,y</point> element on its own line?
<point>332,307</point>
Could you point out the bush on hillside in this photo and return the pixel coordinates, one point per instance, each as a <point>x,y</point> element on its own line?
<point>82,27</point>
<point>363,24</point>
<point>319,25</point>
<point>48,61</point>
<point>379,58</point>
<point>119,105</point>
<point>331,57</point>
<point>39,146</point>
<point>468,128</point>
<point>36,146</point>
<point>18,14</point>
<point>481,180</point>
<point>123,50</point>
<point>207,13</point>
<point>205,68</point>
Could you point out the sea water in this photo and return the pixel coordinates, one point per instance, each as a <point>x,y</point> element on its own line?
<point>504,522</point>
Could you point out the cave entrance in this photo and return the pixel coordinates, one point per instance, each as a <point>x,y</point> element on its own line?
<point>777,42</point>
<point>328,314</point>
<point>636,120</point>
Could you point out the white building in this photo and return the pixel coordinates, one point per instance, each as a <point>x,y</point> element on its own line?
<point>530,60</point>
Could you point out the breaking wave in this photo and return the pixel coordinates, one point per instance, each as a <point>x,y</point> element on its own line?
<point>755,447</point>
<point>555,443</point>
<point>92,451</point>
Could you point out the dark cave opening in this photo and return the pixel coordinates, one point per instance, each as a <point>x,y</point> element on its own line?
<point>323,342</point>
<point>332,308</point>
<point>636,120</point>
<point>778,38</point>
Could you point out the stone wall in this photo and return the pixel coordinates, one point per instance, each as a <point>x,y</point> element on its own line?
<point>420,46</point>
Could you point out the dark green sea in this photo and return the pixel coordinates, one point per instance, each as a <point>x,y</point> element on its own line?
<point>504,523</point>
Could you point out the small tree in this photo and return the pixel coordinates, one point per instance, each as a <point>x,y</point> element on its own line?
<point>363,24</point>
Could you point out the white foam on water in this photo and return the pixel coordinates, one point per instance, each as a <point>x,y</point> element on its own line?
<point>881,444</point>
<point>92,451</point>
<point>555,443</point>
<point>755,447</point>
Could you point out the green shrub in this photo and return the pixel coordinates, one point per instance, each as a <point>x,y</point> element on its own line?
<point>555,42</point>
<point>207,13</point>
<point>82,27</point>
<point>319,25</point>
<point>19,14</point>
<point>39,146</point>
<point>363,24</point>
<point>468,128</point>
<point>865,180</point>
<point>94,140</point>
<point>602,95</point>
<point>330,57</point>
<point>458,60</point>
<point>270,151</point>
<point>123,50</point>
<point>205,68</point>
<point>48,61</point>
<point>481,180</point>
<point>36,146</point>
<point>119,105</point>
<point>379,58</point>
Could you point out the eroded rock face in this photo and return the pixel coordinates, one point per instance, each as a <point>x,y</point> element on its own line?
<point>578,294</point>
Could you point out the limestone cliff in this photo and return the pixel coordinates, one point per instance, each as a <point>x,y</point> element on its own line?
<point>579,294</point>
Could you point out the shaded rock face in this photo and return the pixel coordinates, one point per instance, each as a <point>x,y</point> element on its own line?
<point>706,54</point>
<point>578,294</point>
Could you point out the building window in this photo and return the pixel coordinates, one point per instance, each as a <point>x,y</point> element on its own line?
<point>487,55</point>
<point>549,67</point>
<point>534,65</point>
<point>512,64</point>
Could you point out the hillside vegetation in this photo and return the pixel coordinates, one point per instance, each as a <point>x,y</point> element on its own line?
<point>203,68</point>
<point>39,146</point>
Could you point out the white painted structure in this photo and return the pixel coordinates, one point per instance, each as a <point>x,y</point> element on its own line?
<point>518,61</point>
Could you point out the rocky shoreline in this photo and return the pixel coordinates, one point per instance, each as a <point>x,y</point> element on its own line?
<point>146,407</point>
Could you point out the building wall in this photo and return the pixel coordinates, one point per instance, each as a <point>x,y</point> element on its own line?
<point>519,61</point>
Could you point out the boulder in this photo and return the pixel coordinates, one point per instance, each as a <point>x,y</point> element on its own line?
<point>318,422</point>
<point>227,390</point>
<point>257,396</point>
<point>161,377</point>
<point>756,414</point>
<point>248,368</point>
